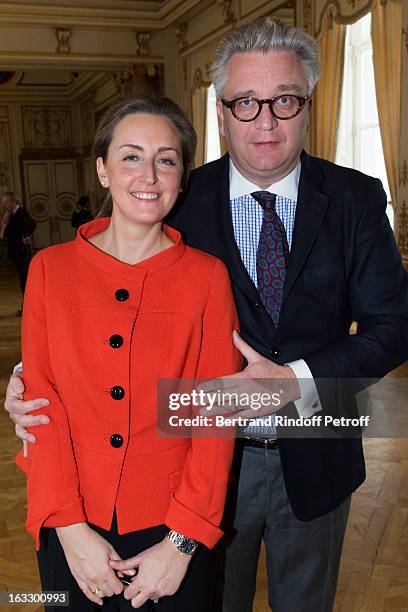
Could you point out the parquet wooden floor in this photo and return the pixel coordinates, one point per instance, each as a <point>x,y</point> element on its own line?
<point>374,567</point>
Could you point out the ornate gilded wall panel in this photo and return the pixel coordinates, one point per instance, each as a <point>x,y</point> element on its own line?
<point>46,126</point>
<point>6,173</point>
<point>343,11</point>
<point>88,121</point>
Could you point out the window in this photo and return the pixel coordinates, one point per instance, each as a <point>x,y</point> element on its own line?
<point>359,139</point>
<point>212,143</point>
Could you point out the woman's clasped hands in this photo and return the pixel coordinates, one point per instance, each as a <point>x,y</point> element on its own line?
<point>88,555</point>
<point>160,571</point>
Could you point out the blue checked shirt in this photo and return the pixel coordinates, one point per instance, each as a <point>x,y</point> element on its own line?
<point>247,217</point>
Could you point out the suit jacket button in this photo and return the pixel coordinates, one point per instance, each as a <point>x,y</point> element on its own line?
<point>116,440</point>
<point>116,341</point>
<point>122,295</point>
<point>117,393</point>
<point>275,352</point>
<point>256,305</point>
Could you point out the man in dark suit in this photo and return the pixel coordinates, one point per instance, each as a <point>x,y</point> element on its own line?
<point>17,226</point>
<point>319,233</point>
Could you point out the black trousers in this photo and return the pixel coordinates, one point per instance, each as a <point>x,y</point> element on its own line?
<point>195,593</point>
<point>22,262</point>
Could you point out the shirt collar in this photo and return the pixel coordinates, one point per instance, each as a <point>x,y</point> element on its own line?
<point>287,187</point>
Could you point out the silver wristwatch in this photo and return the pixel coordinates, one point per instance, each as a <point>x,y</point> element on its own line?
<point>185,545</point>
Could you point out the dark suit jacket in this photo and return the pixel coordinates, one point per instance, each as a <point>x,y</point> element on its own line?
<point>344,265</point>
<point>19,226</point>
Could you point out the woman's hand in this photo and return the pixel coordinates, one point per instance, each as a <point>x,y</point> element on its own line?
<point>161,570</point>
<point>88,556</point>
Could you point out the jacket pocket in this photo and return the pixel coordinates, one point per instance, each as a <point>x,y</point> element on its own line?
<point>323,270</point>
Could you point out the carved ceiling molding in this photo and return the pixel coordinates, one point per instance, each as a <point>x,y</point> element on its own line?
<point>181,31</point>
<point>63,36</point>
<point>159,16</point>
<point>142,43</point>
<point>227,13</point>
<point>199,81</point>
<point>334,9</point>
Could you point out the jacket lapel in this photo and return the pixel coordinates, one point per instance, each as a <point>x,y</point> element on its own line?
<point>310,211</point>
<point>216,201</point>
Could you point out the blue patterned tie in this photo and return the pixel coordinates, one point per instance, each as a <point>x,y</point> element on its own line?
<point>272,256</point>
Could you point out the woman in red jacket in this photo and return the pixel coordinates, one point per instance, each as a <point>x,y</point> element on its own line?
<point>105,316</point>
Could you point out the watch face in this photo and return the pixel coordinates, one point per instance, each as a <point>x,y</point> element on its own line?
<point>187,546</point>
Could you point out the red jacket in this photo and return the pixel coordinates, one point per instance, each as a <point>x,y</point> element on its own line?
<point>95,329</point>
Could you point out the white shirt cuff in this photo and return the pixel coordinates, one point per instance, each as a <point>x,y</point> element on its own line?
<point>18,368</point>
<point>309,401</point>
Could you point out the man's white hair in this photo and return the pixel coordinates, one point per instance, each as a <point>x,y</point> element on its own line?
<point>266,34</point>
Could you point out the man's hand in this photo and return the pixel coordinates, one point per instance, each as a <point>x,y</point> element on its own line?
<point>18,409</point>
<point>161,569</point>
<point>261,380</point>
<point>88,555</point>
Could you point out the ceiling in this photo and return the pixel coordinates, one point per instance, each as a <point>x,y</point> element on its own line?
<point>94,4</point>
<point>58,84</point>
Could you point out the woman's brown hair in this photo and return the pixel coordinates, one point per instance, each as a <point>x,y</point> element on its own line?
<point>160,107</point>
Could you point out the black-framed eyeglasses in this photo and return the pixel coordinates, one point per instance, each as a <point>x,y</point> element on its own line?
<point>285,106</point>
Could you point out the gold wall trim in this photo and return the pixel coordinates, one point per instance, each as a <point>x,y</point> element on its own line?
<point>405,35</point>
<point>107,18</point>
<point>199,81</point>
<point>403,231</point>
<point>403,179</point>
<point>92,61</point>
<point>333,8</point>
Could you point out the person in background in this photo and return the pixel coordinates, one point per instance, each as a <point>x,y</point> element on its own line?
<point>105,316</point>
<point>17,226</point>
<point>333,259</point>
<point>82,213</point>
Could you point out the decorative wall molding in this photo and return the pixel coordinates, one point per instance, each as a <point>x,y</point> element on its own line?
<point>140,79</point>
<point>227,13</point>
<point>39,207</point>
<point>123,76</point>
<point>184,67</point>
<point>307,15</point>
<point>405,36</point>
<point>88,121</point>
<point>403,231</point>
<point>46,127</point>
<point>199,81</point>
<point>6,157</point>
<point>4,175</point>
<point>336,10</point>
<point>63,36</point>
<point>403,179</point>
<point>163,15</point>
<point>142,42</point>
<point>181,31</point>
